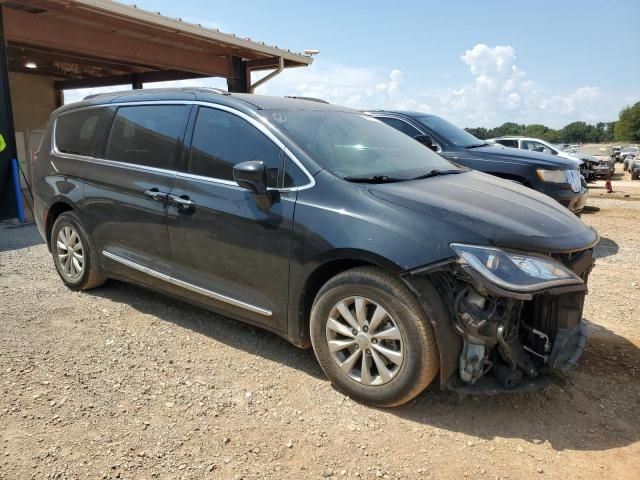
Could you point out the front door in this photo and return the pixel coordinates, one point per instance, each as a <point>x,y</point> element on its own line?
<point>125,192</point>
<point>226,251</point>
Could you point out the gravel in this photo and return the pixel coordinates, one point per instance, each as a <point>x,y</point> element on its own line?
<point>120,382</point>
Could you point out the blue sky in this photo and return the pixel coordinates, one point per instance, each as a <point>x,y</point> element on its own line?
<point>473,62</point>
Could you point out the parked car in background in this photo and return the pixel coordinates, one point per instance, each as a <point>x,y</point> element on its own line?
<point>625,152</point>
<point>627,163</point>
<point>324,226</point>
<point>635,168</point>
<point>557,177</point>
<point>591,167</point>
<point>615,153</point>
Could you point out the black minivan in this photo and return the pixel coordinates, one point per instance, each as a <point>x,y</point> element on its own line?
<point>323,225</point>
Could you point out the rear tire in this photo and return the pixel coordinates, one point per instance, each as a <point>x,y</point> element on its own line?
<point>73,254</point>
<point>372,338</point>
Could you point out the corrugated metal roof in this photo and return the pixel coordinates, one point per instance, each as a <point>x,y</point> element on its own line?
<point>134,13</point>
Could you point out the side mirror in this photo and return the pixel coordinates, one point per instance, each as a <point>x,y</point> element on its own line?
<point>427,141</point>
<point>252,176</point>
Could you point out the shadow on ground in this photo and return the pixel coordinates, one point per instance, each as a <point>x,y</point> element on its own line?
<point>605,248</point>
<point>236,334</point>
<point>14,237</point>
<point>594,410</point>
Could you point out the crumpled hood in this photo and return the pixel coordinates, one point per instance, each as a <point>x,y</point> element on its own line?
<point>505,213</point>
<point>524,157</point>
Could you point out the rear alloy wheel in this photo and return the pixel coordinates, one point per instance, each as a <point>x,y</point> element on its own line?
<point>70,253</point>
<point>372,338</point>
<point>73,255</point>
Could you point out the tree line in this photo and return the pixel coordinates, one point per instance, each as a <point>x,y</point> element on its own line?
<point>625,129</point>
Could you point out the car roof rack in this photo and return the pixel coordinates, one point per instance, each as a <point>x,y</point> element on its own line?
<point>218,91</point>
<point>310,99</point>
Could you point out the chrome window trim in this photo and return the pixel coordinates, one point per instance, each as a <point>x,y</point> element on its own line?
<point>187,285</point>
<point>289,154</point>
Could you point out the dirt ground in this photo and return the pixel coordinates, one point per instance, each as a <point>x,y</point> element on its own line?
<point>123,383</point>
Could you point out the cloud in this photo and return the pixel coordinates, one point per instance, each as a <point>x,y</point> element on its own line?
<point>498,90</point>
<point>501,91</point>
<point>353,87</point>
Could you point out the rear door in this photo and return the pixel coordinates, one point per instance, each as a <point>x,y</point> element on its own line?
<point>125,192</point>
<point>227,252</point>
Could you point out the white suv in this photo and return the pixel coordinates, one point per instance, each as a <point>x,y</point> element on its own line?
<point>589,166</point>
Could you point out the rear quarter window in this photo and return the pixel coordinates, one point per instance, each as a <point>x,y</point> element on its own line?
<point>83,132</point>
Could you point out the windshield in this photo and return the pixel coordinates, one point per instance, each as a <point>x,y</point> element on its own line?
<point>449,132</point>
<point>351,144</point>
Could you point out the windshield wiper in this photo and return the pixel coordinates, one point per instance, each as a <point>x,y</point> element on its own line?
<point>374,179</point>
<point>485,144</point>
<point>435,173</point>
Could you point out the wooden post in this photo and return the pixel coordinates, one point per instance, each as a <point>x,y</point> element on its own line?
<point>238,80</point>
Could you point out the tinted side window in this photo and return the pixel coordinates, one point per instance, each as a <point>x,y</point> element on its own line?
<point>401,125</point>
<point>147,135</point>
<point>508,143</point>
<point>222,140</point>
<point>83,132</point>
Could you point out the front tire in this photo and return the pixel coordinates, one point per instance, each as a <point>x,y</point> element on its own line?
<point>73,254</point>
<point>372,338</point>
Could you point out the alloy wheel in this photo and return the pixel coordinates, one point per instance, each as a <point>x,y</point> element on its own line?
<point>70,253</point>
<point>364,341</point>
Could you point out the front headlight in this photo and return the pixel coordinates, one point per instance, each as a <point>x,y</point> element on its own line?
<point>552,176</point>
<point>515,271</point>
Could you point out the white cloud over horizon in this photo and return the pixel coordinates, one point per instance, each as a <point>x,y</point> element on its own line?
<point>497,91</point>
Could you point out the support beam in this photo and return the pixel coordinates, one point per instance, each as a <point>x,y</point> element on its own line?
<point>163,76</point>
<point>267,63</point>
<point>57,34</point>
<point>8,200</point>
<point>136,82</point>
<point>238,81</point>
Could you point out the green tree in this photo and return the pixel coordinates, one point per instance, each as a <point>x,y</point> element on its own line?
<point>541,131</point>
<point>577,132</point>
<point>479,132</point>
<point>508,128</point>
<point>628,125</point>
<point>609,132</point>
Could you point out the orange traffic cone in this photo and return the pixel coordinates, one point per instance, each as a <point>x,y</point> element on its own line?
<point>607,184</point>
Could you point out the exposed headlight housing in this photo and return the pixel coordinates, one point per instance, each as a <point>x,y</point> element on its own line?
<point>515,271</point>
<point>572,177</point>
<point>552,176</point>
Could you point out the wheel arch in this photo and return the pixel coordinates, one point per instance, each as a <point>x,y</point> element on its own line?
<point>56,209</point>
<point>315,275</point>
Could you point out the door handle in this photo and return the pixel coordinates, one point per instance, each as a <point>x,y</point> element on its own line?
<point>155,194</point>
<point>183,202</point>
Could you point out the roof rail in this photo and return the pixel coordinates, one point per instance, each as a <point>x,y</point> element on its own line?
<point>218,91</point>
<point>310,99</point>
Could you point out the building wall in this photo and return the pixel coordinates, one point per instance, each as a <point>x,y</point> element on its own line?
<point>33,98</point>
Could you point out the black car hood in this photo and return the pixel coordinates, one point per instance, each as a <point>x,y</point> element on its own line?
<point>505,213</point>
<point>524,157</point>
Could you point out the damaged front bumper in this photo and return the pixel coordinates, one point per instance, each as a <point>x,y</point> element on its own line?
<point>497,340</point>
